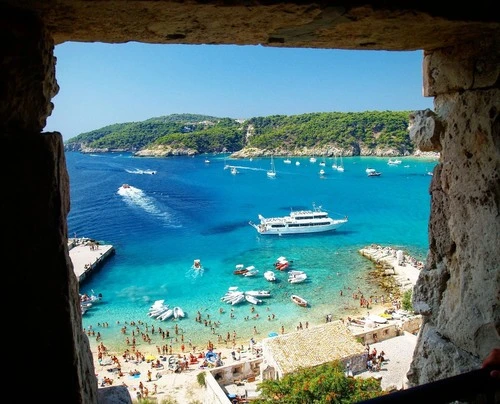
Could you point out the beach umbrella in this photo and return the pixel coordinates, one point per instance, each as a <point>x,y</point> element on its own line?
<point>150,357</point>
<point>272,334</point>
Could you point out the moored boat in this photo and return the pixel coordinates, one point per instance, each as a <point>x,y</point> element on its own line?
<point>299,300</point>
<point>240,269</point>
<point>299,278</point>
<point>270,276</point>
<point>258,293</point>
<point>299,222</point>
<point>281,264</point>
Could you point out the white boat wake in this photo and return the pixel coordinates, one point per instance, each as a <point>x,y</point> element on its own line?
<point>137,198</point>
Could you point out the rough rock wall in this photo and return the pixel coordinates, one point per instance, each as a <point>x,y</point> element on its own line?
<point>458,290</point>
<point>34,207</point>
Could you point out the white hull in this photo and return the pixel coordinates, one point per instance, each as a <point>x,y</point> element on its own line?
<point>299,222</point>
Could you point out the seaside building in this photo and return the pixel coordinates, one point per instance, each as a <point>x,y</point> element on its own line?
<point>311,347</point>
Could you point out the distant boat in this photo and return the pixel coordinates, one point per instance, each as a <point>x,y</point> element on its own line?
<point>321,172</point>
<point>272,172</point>
<point>340,167</point>
<point>312,159</point>
<point>287,161</point>
<point>297,163</point>
<point>299,300</point>
<point>234,170</point>
<point>374,174</point>
<point>394,162</point>
<point>207,161</point>
<point>322,163</point>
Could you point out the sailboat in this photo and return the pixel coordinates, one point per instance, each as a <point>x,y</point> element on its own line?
<point>340,167</point>
<point>272,172</point>
<point>334,165</point>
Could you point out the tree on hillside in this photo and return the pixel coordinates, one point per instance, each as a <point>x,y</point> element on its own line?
<point>322,384</point>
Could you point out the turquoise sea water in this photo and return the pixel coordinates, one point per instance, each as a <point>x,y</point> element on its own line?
<point>192,210</point>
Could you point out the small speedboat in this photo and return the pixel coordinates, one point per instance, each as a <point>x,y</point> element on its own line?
<point>297,278</point>
<point>251,271</point>
<point>252,299</point>
<point>299,300</point>
<point>178,312</point>
<point>258,293</point>
<point>240,270</point>
<point>270,276</point>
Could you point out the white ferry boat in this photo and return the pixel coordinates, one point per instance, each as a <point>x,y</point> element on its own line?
<point>299,222</point>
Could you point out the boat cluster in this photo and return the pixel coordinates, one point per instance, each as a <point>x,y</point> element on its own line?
<point>234,296</point>
<point>162,311</point>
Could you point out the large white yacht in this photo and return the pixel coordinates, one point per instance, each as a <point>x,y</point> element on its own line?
<point>299,222</point>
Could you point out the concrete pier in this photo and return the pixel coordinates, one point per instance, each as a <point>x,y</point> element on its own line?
<point>87,255</point>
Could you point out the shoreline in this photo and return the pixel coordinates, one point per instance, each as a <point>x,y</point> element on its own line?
<point>152,343</point>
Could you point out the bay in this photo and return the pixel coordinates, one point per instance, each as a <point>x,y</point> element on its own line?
<point>190,209</point>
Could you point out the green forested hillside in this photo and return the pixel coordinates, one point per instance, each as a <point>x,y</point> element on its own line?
<point>207,134</point>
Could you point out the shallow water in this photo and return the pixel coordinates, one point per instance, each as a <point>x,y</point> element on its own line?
<point>193,210</point>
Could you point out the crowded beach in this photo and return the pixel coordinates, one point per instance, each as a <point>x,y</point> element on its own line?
<point>143,362</point>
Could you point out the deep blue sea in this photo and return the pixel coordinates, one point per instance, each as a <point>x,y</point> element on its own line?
<point>191,210</point>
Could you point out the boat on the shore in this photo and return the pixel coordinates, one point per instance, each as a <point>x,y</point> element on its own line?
<point>299,300</point>
<point>178,312</point>
<point>299,222</point>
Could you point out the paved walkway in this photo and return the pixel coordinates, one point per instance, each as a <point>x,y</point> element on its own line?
<point>398,357</point>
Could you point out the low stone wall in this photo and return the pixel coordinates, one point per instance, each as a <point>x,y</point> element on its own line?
<point>385,331</point>
<point>225,375</point>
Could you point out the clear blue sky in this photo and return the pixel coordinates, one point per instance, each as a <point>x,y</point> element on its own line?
<point>101,84</point>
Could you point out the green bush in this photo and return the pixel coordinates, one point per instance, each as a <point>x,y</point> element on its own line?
<point>406,301</point>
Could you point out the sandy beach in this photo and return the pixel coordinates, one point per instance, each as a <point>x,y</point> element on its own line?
<point>136,366</point>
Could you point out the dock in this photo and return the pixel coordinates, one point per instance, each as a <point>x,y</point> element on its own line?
<point>87,256</point>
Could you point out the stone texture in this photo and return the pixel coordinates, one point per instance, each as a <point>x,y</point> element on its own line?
<point>458,290</point>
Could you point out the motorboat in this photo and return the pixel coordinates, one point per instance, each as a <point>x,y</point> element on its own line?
<point>166,315</point>
<point>299,278</point>
<point>197,265</point>
<point>252,299</point>
<point>237,299</point>
<point>281,264</point>
<point>270,276</point>
<point>178,312</point>
<point>240,269</point>
<point>370,170</point>
<point>394,162</point>
<point>321,172</point>
<point>374,174</point>
<point>230,295</point>
<point>258,293</point>
<point>299,300</point>
<point>298,222</point>
<point>251,271</point>
<point>287,161</point>
<point>234,170</point>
